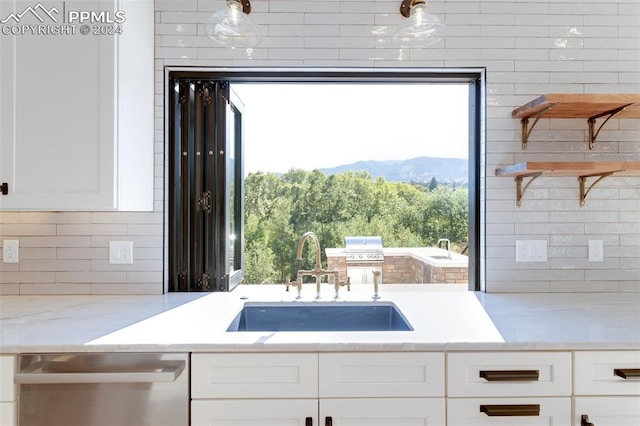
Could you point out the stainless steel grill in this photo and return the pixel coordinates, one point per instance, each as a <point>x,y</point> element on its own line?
<point>363,249</point>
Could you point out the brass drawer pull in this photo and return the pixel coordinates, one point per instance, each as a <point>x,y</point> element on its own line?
<point>510,375</point>
<point>627,373</point>
<point>511,410</point>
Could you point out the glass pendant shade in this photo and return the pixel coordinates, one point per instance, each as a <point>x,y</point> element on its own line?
<point>419,30</point>
<point>233,28</point>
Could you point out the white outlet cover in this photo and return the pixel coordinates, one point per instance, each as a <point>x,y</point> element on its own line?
<point>596,251</point>
<point>10,251</point>
<point>121,252</point>
<point>531,250</point>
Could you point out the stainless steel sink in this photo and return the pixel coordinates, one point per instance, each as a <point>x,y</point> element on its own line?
<point>320,316</point>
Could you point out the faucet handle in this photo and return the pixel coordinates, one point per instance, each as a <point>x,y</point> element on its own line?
<point>347,283</point>
<point>297,284</point>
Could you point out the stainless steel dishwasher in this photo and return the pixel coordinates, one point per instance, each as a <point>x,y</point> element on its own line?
<point>103,389</point>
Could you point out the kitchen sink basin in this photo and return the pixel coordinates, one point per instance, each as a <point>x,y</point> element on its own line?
<point>320,316</point>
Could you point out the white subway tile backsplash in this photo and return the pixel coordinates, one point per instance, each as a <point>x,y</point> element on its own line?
<point>289,30</point>
<point>129,288</point>
<point>528,47</point>
<point>305,6</point>
<point>584,286</point>
<point>54,288</point>
<point>91,277</point>
<point>362,18</point>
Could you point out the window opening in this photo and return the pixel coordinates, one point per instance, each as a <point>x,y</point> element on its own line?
<point>407,151</point>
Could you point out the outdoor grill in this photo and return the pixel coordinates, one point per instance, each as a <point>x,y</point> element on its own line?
<point>363,249</point>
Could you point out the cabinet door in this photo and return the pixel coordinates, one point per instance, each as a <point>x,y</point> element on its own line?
<point>382,412</point>
<point>262,412</point>
<point>76,111</point>
<point>505,411</point>
<point>607,410</point>
<point>58,110</point>
<point>8,394</point>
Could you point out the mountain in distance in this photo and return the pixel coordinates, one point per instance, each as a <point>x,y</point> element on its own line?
<point>414,170</point>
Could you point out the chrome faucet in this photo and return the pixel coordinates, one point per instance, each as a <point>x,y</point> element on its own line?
<point>376,283</point>
<point>447,245</point>
<point>317,272</point>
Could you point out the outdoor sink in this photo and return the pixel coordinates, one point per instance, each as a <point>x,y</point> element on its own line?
<point>320,316</point>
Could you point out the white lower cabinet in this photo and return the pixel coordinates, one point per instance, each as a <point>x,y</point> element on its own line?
<point>606,388</point>
<point>502,388</point>
<point>310,389</point>
<point>323,412</point>
<point>8,391</point>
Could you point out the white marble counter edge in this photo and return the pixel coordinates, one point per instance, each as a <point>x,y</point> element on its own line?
<point>327,347</point>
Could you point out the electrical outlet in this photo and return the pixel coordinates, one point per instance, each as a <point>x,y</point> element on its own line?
<point>596,251</point>
<point>10,251</point>
<point>531,250</point>
<point>121,252</point>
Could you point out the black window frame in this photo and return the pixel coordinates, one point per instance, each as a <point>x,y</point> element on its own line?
<point>475,77</point>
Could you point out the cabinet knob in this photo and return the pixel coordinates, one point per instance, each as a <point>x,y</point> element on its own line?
<point>511,410</point>
<point>584,421</point>
<point>328,421</point>
<point>4,188</point>
<point>510,375</point>
<point>627,373</point>
<point>308,421</point>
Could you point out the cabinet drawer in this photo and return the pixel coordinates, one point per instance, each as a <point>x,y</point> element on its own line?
<point>387,374</point>
<point>254,375</point>
<point>509,374</point>
<point>528,411</point>
<point>603,373</point>
<point>607,410</point>
<point>7,370</point>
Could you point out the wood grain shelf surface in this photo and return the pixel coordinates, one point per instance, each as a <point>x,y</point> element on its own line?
<point>580,105</point>
<point>553,168</point>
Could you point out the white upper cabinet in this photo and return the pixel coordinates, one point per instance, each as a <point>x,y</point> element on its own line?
<point>76,111</point>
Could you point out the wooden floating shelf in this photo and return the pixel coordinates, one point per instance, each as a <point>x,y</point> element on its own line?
<point>578,105</point>
<point>581,170</point>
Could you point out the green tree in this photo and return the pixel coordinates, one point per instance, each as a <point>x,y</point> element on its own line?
<point>278,210</point>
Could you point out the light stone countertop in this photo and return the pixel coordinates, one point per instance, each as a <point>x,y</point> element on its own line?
<point>443,320</point>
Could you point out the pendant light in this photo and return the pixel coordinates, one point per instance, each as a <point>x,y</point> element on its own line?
<point>232,26</point>
<point>421,29</point>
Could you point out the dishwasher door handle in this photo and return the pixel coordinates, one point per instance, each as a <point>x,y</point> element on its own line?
<point>52,372</point>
